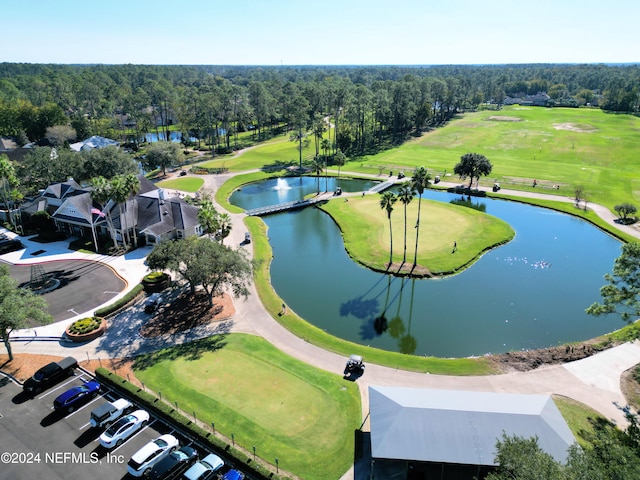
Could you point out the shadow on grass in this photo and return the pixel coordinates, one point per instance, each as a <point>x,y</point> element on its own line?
<point>188,351</point>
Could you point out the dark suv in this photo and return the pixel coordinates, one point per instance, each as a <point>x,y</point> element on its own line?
<point>50,374</point>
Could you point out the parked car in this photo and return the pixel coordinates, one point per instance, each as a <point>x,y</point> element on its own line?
<point>123,429</point>
<point>174,464</point>
<point>50,374</point>
<point>7,246</point>
<point>144,459</point>
<point>153,302</point>
<point>183,173</point>
<point>109,412</point>
<point>233,475</point>
<point>205,468</point>
<point>76,396</point>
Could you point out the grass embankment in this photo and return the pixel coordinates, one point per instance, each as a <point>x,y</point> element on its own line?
<point>579,417</point>
<point>184,184</point>
<point>555,146</point>
<point>365,230</point>
<point>301,415</point>
<point>273,304</point>
<point>276,153</point>
<point>224,192</point>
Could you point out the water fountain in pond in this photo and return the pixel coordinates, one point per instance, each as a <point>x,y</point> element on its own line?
<point>281,184</point>
<point>281,187</point>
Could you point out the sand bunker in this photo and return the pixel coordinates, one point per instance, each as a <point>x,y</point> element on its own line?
<point>499,118</point>
<point>574,127</point>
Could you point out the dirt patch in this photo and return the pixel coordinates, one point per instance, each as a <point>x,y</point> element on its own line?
<point>503,118</point>
<point>526,360</point>
<point>24,365</point>
<point>186,312</point>
<point>630,388</point>
<point>575,127</point>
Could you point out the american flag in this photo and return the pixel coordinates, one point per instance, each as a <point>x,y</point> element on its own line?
<point>97,212</point>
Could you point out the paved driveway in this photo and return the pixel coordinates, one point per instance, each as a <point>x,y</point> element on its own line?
<point>84,285</point>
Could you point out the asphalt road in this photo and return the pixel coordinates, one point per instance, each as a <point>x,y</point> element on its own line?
<point>98,285</point>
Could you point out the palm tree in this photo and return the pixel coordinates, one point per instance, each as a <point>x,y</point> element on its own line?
<point>386,203</point>
<point>318,167</point>
<point>325,145</point>
<point>101,193</point>
<point>405,195</point>
<point>224,225</point>
<point>132,186</point>
<point>339,159</point>
<point>419,181</point>
<point>119,195</point>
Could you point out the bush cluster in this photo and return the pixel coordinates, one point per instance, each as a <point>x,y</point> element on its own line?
<point>85,325</point>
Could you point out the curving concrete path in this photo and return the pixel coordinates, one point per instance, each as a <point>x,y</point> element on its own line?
<point>594,381</point>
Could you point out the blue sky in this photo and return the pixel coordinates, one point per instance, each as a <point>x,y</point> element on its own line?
<point>323,32</point>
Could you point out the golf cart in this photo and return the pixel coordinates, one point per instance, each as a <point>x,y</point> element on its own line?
<point>354,367</point>
<point>153,302</point>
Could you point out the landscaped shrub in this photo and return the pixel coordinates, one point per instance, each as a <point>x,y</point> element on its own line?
<point>85,325</point>
<point>123,302</point>
<point>156,281</point>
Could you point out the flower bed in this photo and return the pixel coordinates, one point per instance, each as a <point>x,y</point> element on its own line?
<point>86,329</point>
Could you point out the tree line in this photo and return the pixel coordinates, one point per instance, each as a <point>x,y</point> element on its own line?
<point>370,107</point>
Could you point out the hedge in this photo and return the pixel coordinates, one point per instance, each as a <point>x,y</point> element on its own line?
<point>121,303</point>
<point>164,410</point>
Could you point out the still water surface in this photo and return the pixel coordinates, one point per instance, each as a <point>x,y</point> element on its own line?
<point>529,293</point>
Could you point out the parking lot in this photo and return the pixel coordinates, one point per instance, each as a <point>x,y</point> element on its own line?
<point>38,442</point>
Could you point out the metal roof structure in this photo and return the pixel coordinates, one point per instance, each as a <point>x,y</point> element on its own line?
<point>460,427</point>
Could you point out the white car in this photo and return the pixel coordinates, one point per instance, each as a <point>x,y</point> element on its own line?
<point>123,429</point>
<point>144,459</point>
<point>205,468</point>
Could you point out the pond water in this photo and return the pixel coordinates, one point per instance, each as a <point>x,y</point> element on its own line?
<point>529,293</point>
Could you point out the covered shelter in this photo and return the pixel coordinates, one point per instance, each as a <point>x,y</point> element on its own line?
<point>444,434</point>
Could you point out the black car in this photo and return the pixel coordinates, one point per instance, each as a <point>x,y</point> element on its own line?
<point>7,246</point>
<point>50,374</point>
<point>174,464</point>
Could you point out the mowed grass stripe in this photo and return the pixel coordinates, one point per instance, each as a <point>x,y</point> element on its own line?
<point>301,415</point>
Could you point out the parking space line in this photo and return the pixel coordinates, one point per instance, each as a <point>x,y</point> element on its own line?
<point>49,392</point>
<point>81,408</point>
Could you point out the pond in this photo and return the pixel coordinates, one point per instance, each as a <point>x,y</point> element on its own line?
<point>529,293</point>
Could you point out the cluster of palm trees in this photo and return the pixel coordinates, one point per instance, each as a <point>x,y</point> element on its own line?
<point>416,186</point>
<point>118,190</point>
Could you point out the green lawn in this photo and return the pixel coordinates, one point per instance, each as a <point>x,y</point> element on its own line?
<point>301,415</point>
<point>578,416</point>
<point>185,184</point>
<point>365,229</point>
<point>555,146</point>
<point>277,152</point>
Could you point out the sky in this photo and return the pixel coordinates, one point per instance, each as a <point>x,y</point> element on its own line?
<point>322,32</point>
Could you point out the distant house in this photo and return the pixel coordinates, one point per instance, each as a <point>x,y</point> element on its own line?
<point>540,99</point>
<point>447,434</point>
<point>93,142</point>
<point>148,216</point>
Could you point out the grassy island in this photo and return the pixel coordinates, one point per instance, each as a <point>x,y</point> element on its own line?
<point>365,230</point>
